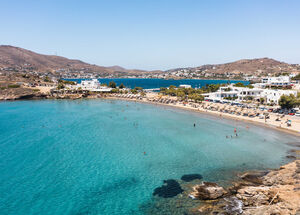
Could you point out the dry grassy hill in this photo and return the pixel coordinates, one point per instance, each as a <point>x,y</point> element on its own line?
<point>20,58</point>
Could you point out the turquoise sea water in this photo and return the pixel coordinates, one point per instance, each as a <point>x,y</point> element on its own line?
<point>87,156</point>
<point>151,83</point>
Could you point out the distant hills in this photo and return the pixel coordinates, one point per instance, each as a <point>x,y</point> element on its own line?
<point>22,59</point>
<point>247,66</point>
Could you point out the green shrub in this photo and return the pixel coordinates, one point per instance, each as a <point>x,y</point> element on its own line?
<point>13,86</point>
<point>67,82</point>
<point>121,86</point>
<point>112,84</point>
<point>115,90</point>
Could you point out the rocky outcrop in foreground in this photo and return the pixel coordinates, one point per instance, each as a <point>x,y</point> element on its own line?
<point>207,190</point>
<point>277,192</point>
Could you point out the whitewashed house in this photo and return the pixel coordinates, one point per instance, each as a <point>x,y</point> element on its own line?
<point>277,81</point>
<point>243,93</point>
<point>93,85</point>
<point>273,96</point>
<point>185,86</point>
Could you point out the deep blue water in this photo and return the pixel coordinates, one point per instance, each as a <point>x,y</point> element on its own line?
<point>87,156</point>
<point>157,83</point>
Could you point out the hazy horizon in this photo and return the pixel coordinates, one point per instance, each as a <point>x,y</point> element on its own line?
<point>154,35</point>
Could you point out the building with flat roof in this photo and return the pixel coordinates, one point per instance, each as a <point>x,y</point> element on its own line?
<point>244,93</point>
<point>93,85</point>
<point>277,81</point>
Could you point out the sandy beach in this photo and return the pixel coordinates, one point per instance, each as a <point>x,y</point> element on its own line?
<point>205,107</point>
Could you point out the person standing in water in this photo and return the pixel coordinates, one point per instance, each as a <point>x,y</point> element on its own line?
<point>194,124</point>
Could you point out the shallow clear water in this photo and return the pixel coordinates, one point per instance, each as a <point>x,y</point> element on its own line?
<point>87,156</point>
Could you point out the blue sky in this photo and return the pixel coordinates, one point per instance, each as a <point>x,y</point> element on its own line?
<point>154,34</point>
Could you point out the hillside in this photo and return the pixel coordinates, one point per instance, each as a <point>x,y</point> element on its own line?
<point>22,59</point>
<point>257,66</point>
<point>251,66</point>
<point>18,59</point>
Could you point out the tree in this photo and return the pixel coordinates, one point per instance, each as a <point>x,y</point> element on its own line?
<point>46,79</point>
<point>115,90</point>
<point>112,84</point>
<point>211,88</point>
<point>60,86</point>
<point>121,86</point>
<point>239,84</point>
<point>196,97</point>
<point>261,100</point>
<point>67,82</point>
<point>288,102</point>
<point>297,77</point>
<point>180,94</point>
<point>134,91</point>
<point>163,90</point>
<point>227,89</point>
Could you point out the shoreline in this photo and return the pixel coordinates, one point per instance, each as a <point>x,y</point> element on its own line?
<point>276,192</point>
<point>246,119</point>
<point>213,113</point>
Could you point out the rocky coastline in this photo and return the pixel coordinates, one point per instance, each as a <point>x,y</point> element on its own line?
<point>277,192</point>
<point>255,193</point>
<point>29,94</point>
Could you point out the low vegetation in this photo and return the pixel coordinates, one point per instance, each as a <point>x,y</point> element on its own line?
<point>186,93</point>
<point>121,86</point>
<point>13,86</point>
<point>239,84</point>
<point>297,77</point>
<point>288,102</point>
<point>67,82</point>
<point>112,84</point>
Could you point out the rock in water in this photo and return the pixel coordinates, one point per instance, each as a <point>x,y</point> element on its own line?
<point>254,177</point>
<point>191,177</point>
<point>169,189</point>
<point>208,191</point>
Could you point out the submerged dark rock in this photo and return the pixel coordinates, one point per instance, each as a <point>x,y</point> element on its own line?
<point>191,177</point>
<point>169,189</point>
<point>291,157</point>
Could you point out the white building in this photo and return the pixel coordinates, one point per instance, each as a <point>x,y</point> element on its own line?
<point>277,81</point>
<point>184,86</point>
<point>90,84</point>
<point>243,93</point>
<point>93,85</point>
<point>273,96</point>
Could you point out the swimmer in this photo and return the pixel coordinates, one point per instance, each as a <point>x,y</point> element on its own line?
<point>194,124</point>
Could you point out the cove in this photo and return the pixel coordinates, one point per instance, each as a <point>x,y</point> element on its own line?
<point>87,156</point>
